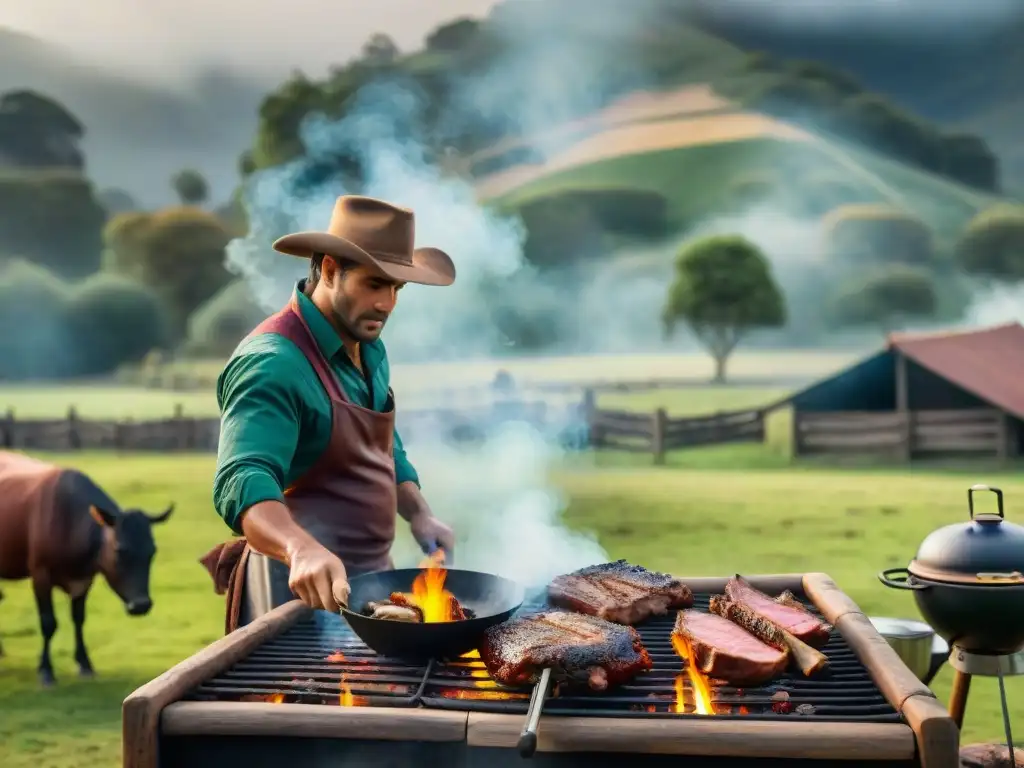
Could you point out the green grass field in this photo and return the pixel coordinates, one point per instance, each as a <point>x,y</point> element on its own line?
<point>708,512</point>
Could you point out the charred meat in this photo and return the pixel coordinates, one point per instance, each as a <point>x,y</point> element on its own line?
<point>789,615</point>
<point>619,592</point>
<point>806,658</point>
<point>407,613</point>
<point>577,648</point>
<point>724,650</point>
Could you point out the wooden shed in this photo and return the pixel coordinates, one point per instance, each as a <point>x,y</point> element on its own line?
<point>954,394</point>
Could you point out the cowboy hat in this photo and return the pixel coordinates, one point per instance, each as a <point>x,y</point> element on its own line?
<point>378,234</point>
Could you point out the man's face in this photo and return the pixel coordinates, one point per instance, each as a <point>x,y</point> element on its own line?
<point>362,300</point>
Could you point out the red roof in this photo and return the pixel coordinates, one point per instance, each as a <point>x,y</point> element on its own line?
<point>988,363</point>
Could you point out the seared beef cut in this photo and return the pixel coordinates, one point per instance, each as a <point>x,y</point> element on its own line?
<point>807,659</point>
<point>726,651</point>
<point>790,616</point>
<point>619,592</point>
<point>577,648</point>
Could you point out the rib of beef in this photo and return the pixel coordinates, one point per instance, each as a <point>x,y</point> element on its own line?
<point>726,651</point>
<point>577,648</point>
<point>619,592</point>
<point>789,615</point>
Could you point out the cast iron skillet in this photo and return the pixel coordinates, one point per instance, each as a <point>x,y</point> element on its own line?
<point>492,599</point>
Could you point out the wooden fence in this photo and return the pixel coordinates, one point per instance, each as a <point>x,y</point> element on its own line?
<point>906,435</point>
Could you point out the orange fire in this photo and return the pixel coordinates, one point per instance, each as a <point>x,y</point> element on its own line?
<point>428,592</point>
<point>699,683</point>
<point>276,698</point>
<point>337,656</point>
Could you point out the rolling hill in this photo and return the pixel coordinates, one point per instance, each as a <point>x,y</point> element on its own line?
<point>697,150</point>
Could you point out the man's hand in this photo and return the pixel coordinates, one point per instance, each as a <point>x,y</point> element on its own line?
<point>429,532</point>
<point>318,577</point>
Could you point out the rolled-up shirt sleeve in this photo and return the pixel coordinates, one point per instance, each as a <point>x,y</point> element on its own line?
<point>259,431</point>
<point>404,470</point>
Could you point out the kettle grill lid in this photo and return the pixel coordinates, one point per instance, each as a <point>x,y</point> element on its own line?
<point>988,550</point>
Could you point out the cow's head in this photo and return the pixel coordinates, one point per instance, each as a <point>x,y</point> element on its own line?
<point>127,554</point>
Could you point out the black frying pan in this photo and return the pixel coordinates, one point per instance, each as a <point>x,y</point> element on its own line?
<point>492,599</point>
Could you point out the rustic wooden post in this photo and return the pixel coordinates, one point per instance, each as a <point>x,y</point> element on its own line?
<point>796,439</point>
<point>1003,434</point>
<point>903,407</point>
<point>588,411</point>
<point>658,427</point>
<point>180,427</point>
<point>74,437</point>
<point>7,429</point>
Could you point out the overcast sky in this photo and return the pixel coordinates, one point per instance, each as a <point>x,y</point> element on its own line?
<point>172,39</point>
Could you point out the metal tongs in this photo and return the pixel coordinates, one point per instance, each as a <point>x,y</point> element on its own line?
<point>528,738</point>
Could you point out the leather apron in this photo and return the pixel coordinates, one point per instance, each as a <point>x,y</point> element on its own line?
<point>347,501</point>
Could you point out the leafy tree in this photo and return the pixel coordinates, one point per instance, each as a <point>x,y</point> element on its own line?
<point>886,298</point>
<point>993,244</point>
<point>114,320</point>
<point>177,252</point>
<point>36,340</point>
<point>191,187</point>
<point>246,164</point>
<point>379,50</point>
<point>723,290</point>
<point>38,132</point>
<point>116,201</point>
<point>216,328</point>
<point>862,234</point>
<point>53,219</point>
<point>454,36</point>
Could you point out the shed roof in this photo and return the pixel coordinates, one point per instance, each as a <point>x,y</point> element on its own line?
<point>988,363</point>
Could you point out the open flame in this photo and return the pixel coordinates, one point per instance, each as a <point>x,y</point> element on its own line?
<point>428,594</point>
<point>699,683</point>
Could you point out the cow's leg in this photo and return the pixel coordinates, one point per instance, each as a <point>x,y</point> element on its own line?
<point>48,624</point>
<point>78,617</point>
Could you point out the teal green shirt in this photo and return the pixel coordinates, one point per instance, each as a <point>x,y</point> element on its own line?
<point>276,416</point>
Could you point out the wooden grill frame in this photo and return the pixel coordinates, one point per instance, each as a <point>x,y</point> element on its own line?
<point>929,733</point>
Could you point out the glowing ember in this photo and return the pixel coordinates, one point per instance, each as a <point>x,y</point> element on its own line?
<point>481,695</point>
<point>699,683</point>
<point>346,699</point>
<point>337,656</point>
<point>435,602</point>
<point>275,698</point>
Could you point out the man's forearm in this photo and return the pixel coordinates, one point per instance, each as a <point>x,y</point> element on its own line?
<point>411,503</point>
<point>271,530</point>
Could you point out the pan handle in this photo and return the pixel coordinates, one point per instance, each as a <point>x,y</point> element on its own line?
<point>528,738</point>
<point>886,577</point>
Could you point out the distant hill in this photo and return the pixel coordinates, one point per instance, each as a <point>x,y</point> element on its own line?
<point>956,73</point>
<point>137,135</point>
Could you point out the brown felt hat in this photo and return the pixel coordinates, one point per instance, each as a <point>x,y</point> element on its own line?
<point>378,234</point>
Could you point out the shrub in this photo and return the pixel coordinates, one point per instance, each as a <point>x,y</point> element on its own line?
<point>215,329</point>
<point>993,244</point>
<point>885,298</point>
<point>53,219</point>
<point>35,342</point>
<point>114,321</point>
<point>860,235</point>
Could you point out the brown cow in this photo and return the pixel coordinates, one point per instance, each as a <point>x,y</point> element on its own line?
<point>58,528</point>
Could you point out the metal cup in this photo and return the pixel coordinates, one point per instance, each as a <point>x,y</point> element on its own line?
<point>915,643</point>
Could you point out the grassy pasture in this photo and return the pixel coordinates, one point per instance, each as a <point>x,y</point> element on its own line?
<point>699,516</point>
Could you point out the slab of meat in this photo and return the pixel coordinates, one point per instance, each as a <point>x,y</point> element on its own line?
<point>724,650</point>
<point>790,616</point>
<point>619,592</point>
<point>809,660</point>
<point>577,648</point>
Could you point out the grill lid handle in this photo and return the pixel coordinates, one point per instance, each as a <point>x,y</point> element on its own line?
<point>987,517</point>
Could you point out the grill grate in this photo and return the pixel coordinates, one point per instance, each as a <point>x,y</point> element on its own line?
<point>320,661</point>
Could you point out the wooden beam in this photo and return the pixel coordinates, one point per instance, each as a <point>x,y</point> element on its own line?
<point>903,406</point>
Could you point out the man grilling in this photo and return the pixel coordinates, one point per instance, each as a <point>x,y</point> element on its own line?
<point>310,468</point>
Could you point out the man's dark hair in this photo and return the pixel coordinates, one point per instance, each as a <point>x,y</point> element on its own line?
<point>316,266</point>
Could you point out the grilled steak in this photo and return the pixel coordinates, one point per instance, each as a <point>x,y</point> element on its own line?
<point>577,649</point>
<point>808,659</point>
<point>790,616</point>
<point>619,592</point>
<point>726,651</point>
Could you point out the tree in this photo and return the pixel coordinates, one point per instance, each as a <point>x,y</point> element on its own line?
<point>380,50</point>
<point>35,342</point>
<point>191,187</point>
<point>177,252</point>
<point>454,36</point>
<point>52,218</point>
<point>993,244</point>
<point>723,290</point>
<point>216,328</point>
<point>116,201</point>
<point>886,298</point>
<point>864,234</point>
<point>38,132</point>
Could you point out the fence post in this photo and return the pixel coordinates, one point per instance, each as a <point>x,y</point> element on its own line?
<point>658,435</point>
<point>180,428</point>
<point>7,429</point>
<point>74,437</point>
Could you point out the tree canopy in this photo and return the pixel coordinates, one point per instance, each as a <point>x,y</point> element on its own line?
<point>993,244</point>
<point>723,289</point>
